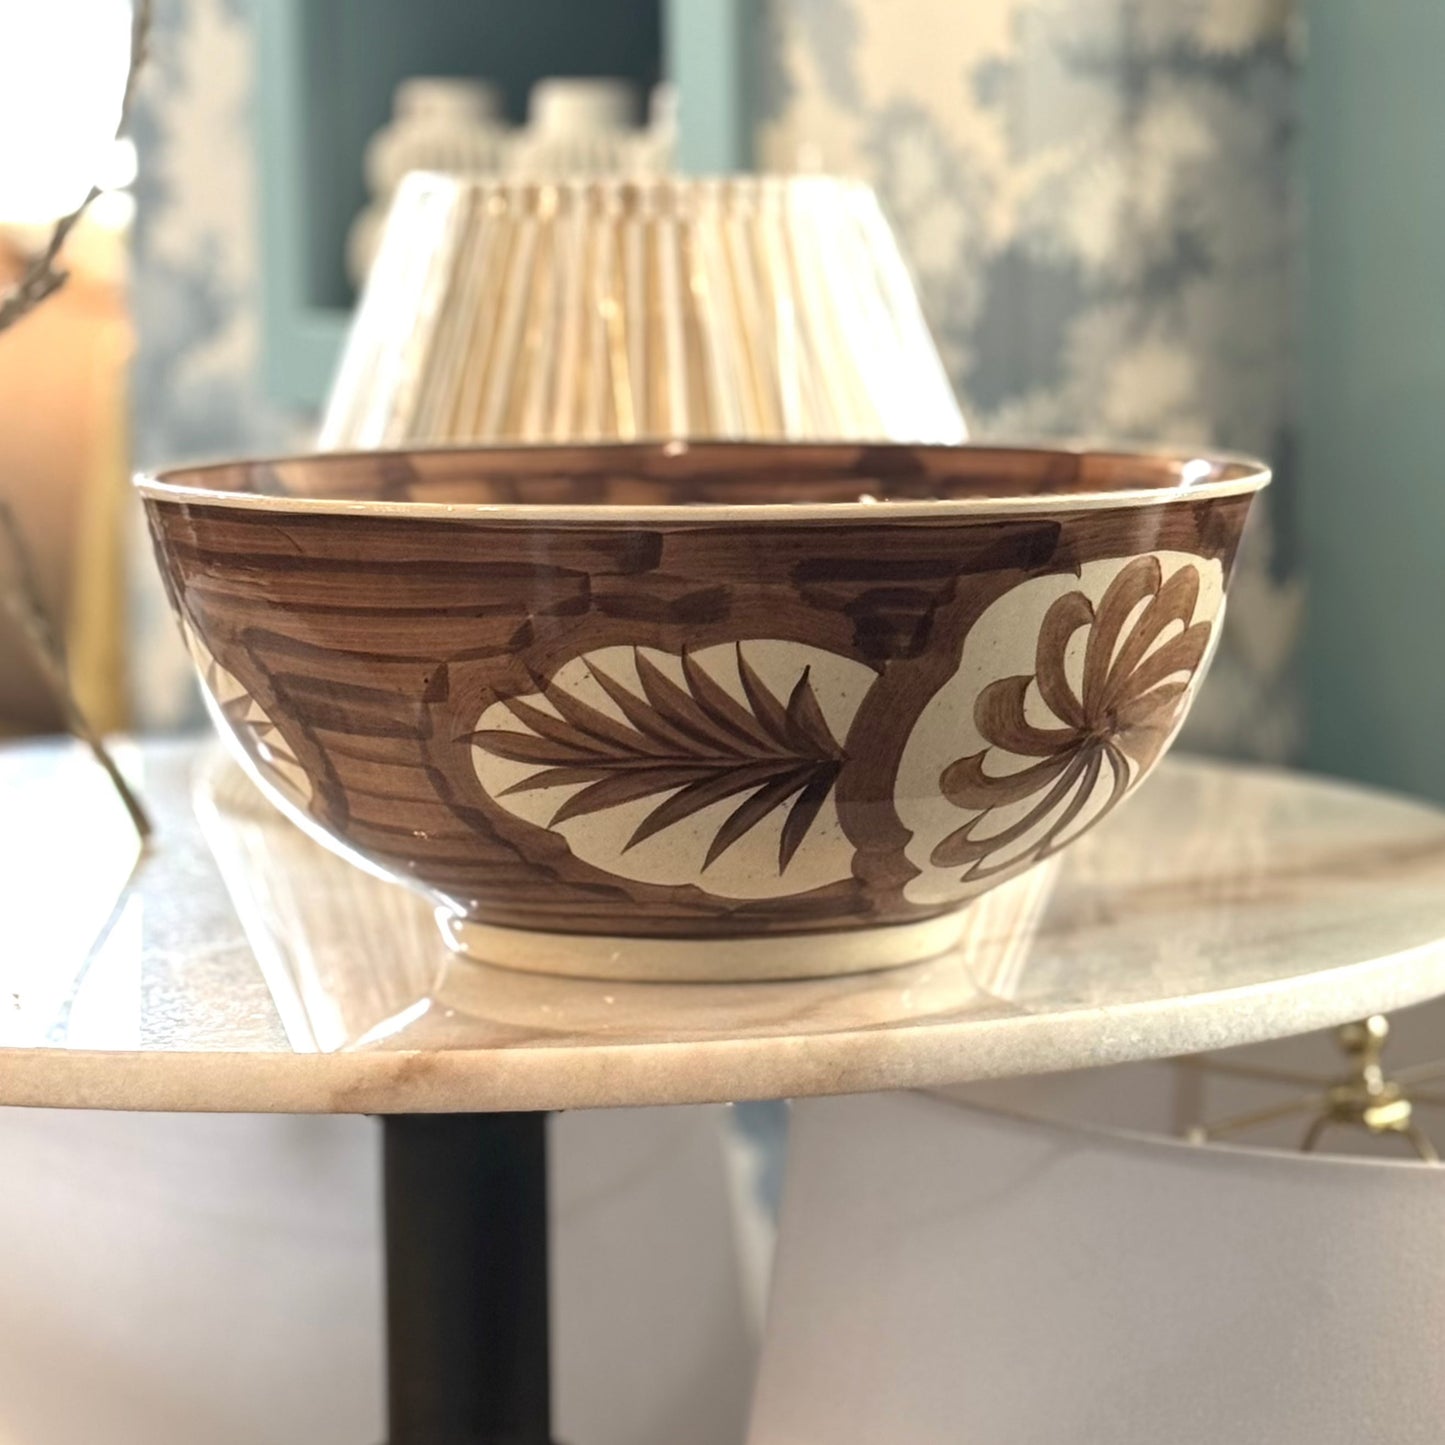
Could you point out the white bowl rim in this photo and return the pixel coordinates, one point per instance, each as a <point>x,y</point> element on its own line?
<point>1245,474</point>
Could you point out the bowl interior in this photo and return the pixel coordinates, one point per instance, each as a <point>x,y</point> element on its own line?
<point>710,473</point>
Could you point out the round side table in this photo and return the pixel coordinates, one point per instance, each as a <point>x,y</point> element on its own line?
<point>236,966</point>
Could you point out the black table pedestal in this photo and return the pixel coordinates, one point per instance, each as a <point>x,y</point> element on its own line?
<point>466,1279</point>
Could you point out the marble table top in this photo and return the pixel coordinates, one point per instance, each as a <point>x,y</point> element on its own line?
<point>238,966</point>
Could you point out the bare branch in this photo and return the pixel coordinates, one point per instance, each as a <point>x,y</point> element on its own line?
<point>19,591</point>
<point>20,597</point>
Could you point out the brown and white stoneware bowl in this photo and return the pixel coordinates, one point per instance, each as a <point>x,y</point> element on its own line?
<point>708,711</point>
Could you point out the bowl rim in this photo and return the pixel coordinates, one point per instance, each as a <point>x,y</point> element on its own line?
<point>1243,474</point>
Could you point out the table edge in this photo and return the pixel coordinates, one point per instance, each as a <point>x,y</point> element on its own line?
<point>545,1078</point>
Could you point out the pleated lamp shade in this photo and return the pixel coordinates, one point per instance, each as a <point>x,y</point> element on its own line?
<point>947,1273</point>
<point>598,310</point>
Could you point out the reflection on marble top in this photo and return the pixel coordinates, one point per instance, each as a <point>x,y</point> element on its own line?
<point>239,966</point>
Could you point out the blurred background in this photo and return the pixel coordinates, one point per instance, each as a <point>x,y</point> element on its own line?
<point>1208,222</point>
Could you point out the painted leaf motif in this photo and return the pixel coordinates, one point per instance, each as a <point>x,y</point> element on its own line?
<point>690,745</point>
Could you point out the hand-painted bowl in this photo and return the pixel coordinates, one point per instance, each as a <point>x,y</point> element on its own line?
<point>712,711</point>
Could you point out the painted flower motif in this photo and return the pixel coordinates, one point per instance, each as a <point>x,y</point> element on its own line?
<point>1142,649</point>
<point>690,745</point>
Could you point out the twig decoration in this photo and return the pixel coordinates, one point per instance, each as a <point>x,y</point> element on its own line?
<point>20,596</point>
<point>19,591</point>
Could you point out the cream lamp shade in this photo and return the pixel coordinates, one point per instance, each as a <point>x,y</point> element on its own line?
<point>948,1273</point>
<point>596,310</point>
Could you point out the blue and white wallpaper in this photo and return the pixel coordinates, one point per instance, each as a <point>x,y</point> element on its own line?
<point>197,251</point>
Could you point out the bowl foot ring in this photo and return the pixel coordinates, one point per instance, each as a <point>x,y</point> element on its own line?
<point>751,958</point>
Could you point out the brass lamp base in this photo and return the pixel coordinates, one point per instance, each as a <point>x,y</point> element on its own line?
<point>1365,1097</point>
